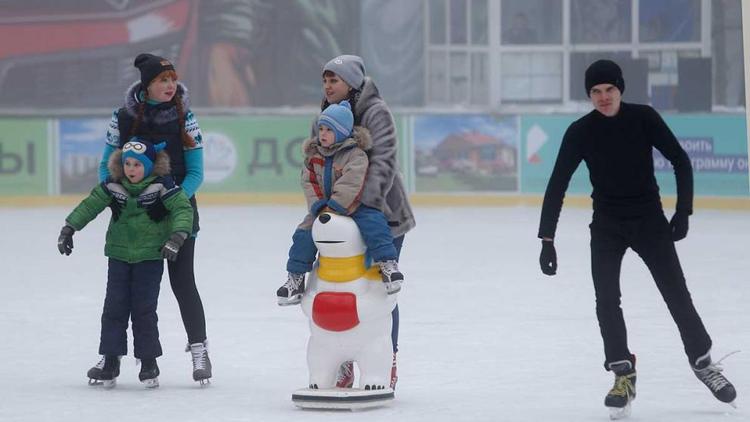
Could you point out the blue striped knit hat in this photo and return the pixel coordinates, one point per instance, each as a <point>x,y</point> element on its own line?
<point>339,118</point>
<point>143,151</point>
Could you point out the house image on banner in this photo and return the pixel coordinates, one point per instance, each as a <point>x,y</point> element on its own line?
<point>477,153</point>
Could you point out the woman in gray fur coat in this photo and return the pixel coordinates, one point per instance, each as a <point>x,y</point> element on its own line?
<point>344,78</point>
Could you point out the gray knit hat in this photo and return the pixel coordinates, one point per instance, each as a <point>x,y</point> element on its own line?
<point>349,68</point>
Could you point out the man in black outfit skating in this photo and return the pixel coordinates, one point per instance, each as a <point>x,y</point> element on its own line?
<point>615,140</point>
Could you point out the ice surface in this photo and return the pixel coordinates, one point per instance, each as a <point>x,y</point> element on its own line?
<point>484,335</point>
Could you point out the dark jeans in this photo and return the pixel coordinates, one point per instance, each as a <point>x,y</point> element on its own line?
<point>650,237</point>
<point>132,293</point>
<point>182,279</point>
<point>373,227</point>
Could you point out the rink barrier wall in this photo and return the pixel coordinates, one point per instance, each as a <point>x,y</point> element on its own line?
<point>422,200</point>
<point>446,159</point>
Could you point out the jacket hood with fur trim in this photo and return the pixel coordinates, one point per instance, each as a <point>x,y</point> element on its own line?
<point>166,112</point>
<point>161,165</point>
<point>360,138</point>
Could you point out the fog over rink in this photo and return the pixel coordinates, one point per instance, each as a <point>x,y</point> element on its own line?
<point>484,335</point>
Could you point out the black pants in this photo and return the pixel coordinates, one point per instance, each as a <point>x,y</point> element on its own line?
<point>650,237</point>
<point>132,293</point>
<point>182,279</point>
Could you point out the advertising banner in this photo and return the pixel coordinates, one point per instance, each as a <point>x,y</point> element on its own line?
<point>716,144</point>
<point>465,153</point>
<point>81,146</point>
<point>24,157</point>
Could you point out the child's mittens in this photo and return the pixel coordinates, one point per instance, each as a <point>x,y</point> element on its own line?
<point>65,240</point>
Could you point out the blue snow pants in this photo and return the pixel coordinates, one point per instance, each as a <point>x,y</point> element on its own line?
<point>132,293</point>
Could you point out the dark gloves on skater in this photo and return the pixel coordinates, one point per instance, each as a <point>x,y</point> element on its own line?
<point>679,225</point>
<point>173,245</point>
<point>548,258</point>
<point>157,211</point>
<point>65,240</point>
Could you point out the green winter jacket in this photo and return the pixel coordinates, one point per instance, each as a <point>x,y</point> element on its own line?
<point>133,236</point>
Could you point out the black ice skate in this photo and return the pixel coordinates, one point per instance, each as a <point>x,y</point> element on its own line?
<point>201,362</point>
<point>149,374</point>
<point>392,277</point>
<point>291,292</point>
<point>623,391</point>
<point>710,374</point>
<point>105,372</point>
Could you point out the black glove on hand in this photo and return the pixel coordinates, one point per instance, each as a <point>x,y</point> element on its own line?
<point>65,241</point>
<point>116,210</point>
<point>172,247</point>
<point>157,211</point>
<point>679,225</point>
<point>548,258</point>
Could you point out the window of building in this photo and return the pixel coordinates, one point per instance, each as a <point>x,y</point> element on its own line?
<point>458,65</point>
<point>531,77</point>
<point>600,21</point>
<point>669,20</point>
<point>531,21</point>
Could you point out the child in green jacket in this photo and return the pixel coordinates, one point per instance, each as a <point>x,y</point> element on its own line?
<point>136,246</point>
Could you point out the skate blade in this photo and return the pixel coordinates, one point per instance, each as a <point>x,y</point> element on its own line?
<point>733,404</point>
<point>288,302</point>
<point>151,383</point>
<point>393,290</point>
<point>106,384</point>
<point>616,413</point>
<point>204,382</point>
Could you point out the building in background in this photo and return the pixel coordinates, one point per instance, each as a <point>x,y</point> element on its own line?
<point>487,55</point>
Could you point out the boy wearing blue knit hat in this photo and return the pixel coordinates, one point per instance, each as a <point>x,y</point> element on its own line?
<point>332,179</point>
<point>136,246</point>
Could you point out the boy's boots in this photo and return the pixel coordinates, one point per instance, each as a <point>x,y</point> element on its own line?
<point>105,372</point>
<point>392,277</point>
<point>291,292</point>
<point>149,374</point>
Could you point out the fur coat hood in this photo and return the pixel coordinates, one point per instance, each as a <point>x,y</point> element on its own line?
<point>164,112</point>
<point>116,171</point>
<point>360,138</point>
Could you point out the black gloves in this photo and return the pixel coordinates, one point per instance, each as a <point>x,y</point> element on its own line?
<point>65,240</point>
<point>548,258</point>
<point>679,225</point>
<point>157,211</point>
<point>172,247</point>
<point>116,210</point>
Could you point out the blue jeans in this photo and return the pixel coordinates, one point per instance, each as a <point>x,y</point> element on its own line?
<point>303,252</point>
<point>375,232</point>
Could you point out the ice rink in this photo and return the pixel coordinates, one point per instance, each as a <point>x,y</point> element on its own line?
<point>484,335</point>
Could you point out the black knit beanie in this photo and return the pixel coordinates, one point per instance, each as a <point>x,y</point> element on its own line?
<point>150,67</point>
<point>604,72</point>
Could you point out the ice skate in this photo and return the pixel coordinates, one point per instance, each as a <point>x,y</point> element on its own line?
<point>291,292</point>
<point>105,372</point>
<point>392,277</point>
<point>709,373</point>
<point>201,362</point>
<point>149,374</point>
<point>621,395</point>
<point>345,375</point>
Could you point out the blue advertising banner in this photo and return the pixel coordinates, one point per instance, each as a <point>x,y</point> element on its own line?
<point>81,147</point>
<point>716,144</point>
